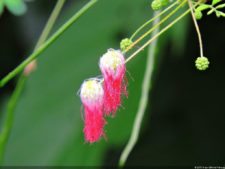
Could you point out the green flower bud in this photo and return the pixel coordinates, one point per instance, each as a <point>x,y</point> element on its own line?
<point>156,5</point>
<point>202,63</point>
<point>198,14</point>
<point>125,43</point>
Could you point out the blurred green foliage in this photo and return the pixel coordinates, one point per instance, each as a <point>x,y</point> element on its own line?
<point>17,7</point>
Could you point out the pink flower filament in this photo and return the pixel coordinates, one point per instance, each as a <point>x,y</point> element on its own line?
<point>92,98</point>
<point>112,65</point>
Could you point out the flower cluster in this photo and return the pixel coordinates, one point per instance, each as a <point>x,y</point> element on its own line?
<point>202,63</point>
<point>125,43</point>
<point>102,97</point>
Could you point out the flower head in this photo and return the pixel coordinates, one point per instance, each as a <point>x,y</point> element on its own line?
<point>125,43</point>
<point>92,98</point>
<point>112,65</point>
<point>202,63</point>
<point>156,5</point>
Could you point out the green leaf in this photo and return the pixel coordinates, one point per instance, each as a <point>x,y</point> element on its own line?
<point>214,2</point>
<point>17,7</point>
<point>211,11</point>
<point>220,6</point>
<point>222,14</point>
<point>217,13</point>
<point>202,7</point>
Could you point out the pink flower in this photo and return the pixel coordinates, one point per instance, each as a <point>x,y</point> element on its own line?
<point>112,65</point>
<point>92,98</point>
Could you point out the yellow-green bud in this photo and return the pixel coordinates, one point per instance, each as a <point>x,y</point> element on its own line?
<point>202,63</point>
<point>198,14</point>
<point>125,43</point>
<point>156,5</point>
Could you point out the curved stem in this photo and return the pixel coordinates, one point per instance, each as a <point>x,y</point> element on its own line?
<point>50,23</point>
<point>4,135</point>
<point>44,46</point>
<point>157,35</point>
<point>152,19</point>
<point>196,27</point>
<point>144,98</point>
<point>9,116</point>
<point>45,33</point>
<point>155,26</point>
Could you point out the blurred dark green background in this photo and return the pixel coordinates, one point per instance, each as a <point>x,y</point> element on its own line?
<point>184,122</point>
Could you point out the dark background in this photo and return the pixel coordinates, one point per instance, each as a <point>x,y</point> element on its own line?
<point>184,122</point>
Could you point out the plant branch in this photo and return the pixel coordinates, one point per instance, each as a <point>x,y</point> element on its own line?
<point>157,35</point>
<point>45,33</point>
<point>50,23</point>
<point>9,116</point>
<point>152,19</point>
<point>155,26</point>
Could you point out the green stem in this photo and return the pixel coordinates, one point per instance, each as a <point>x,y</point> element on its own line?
<point>196,27</point>
<point>152,19</point>
<point>4,135</point>
<point>144,98</point>
<point>155,26</point>
<point>44,46</point>
<point>50,23</point>
<point>157,35</point>
<point>9,116</point>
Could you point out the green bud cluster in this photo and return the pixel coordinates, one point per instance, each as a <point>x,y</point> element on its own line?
<point>198,14</point>
<point>125,43</point>
<point>202,63</point>
<point>158,4</point>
